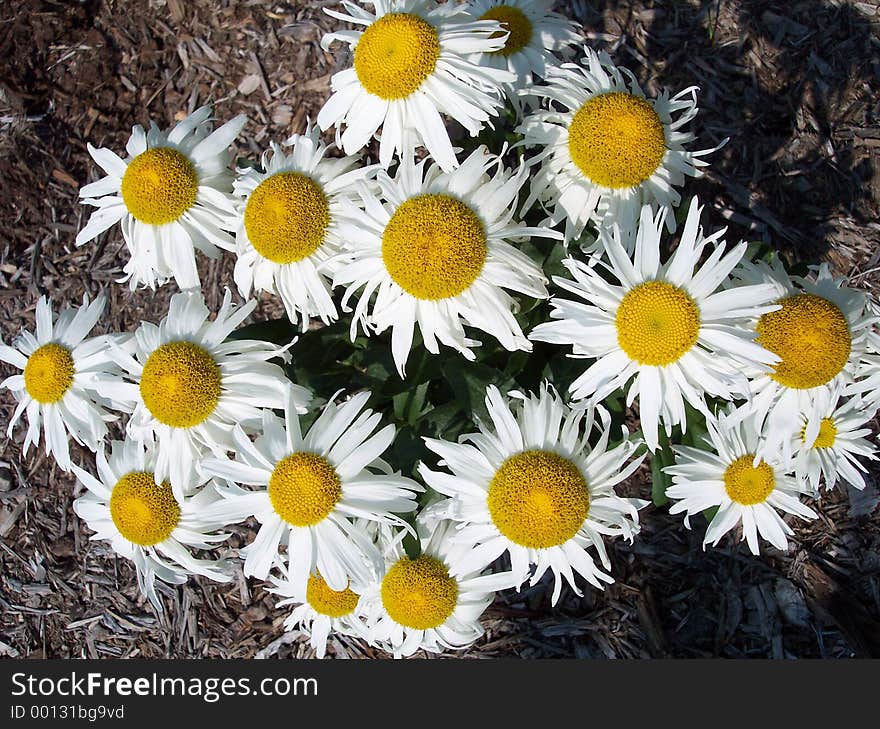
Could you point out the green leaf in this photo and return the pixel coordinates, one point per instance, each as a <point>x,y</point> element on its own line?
<point>561,368</point>
<point>446,421</point>
<point>277,331</point>
<point>408,406</point>
<point>681,212</point>
<point>469,381</point>
<point>661,481</point>
<point>696,427</point>
<point>406,451</point>
<point>244,162</point>
<point>411,544</point>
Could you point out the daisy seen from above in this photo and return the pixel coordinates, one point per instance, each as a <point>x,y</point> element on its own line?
<point>605,150</point>
<point>831,441</point>
<point>670,328</point>
<point>436,249</point>
<point>62,387</point>
<point>189,386</point>
<point>170,195</point>
<point>533,487</point>
<point>287,237</point>
<point>144,521</point>
<point>312,493</point>
<point>433,601</point>
<point>411,64</point>
<point>536,34</point>
<point>728,474</point>
<point>819,333</point>
<point>318,610</point>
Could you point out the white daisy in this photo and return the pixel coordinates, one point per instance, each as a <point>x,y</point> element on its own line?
<point>146,522</point>
<point>436,250</point>
<point>667,327</point>
<point>607,150</point>
<point>319,610</point>
<point>63,381</point>
<point>288,230</point>
<point>171,195</point>
<point>433,601</point>
<point>866,383</point>
<point>729,475</point>
<point>536,34</point>
<point>191,385</point>
<point>411,64</point>
<point>536,490</point>
<point>831,441</point>
<point>311,489</point>
<point>819,334</point>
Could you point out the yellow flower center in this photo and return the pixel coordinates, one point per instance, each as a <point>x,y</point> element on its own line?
<point>657,323</point>
<point>396,54</point>
<point>538,499</point>
<point>180,384</point>
<point>434,246</point>
<point>827,434</point>
<point>159,185</point>
<point>811,336</point>
<point>617,140</point>
<point>333,603</point>
<point>304,488</point>
<point>514,20</point>
<point>48,373</point>
<point>419,593</point>
<point>286,217</point>
<point>746,484</point>
<point>144,512</point>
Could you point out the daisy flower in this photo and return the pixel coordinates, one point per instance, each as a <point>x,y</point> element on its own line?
<point>667,327</point>
<point>818,332</point>
<point>129,506</point>
<point>532,487</point>
<point>412,63</point>
<point>607,150</point>
<point>171,196</point>
<point>288,228</point>
<point>831,441</point>
<point>746,489</point>
<point>866,383</point>
<point>313,491</point>
<point>62,385</point>
<point>319,610</point>
<point>191,386</point>
<point>436,250</point>
<point>536,33</point>
<point>432,602</point>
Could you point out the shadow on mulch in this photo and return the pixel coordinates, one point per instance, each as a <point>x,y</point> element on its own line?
<point>790,85</point>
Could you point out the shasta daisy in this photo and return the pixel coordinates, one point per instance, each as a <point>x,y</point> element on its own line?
<point>65,379</point>
<point>170,195</point>
<point>411,63</point>
<point>437,249</point>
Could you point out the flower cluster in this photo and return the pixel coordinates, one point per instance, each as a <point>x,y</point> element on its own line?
<point>757,384</point>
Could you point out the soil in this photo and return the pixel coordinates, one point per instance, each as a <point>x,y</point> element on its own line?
<point>793,86</point>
